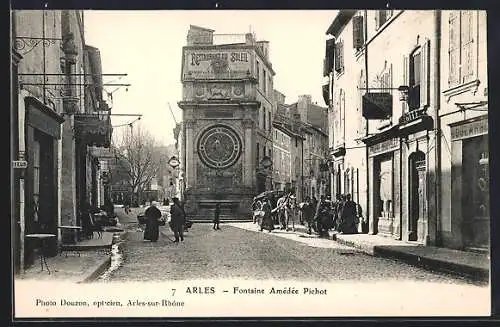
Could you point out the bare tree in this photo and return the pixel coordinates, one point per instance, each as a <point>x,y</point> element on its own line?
<point>138,149</point>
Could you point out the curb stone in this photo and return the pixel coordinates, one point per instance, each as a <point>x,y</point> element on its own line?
<point>95,273</point>
<point>105,264</point>
<point>457,269</point>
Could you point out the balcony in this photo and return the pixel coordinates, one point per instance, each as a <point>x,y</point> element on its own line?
<point>338,150</point>
<point>93,129</point>
<point>326,93</point>
<point>415,121</point>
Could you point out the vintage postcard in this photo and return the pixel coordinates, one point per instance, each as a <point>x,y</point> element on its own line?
<point>326,163</point>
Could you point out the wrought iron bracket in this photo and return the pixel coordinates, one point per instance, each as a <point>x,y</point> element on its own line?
<point>25,44</point>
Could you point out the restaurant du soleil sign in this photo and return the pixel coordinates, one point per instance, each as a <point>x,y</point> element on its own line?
<point>208,64</point>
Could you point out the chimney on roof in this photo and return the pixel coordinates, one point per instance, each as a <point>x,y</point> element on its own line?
<point>200,36</point>
<point>249,39</point>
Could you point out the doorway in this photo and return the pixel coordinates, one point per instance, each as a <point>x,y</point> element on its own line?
<point>475,194</point>
<point>417,196</point>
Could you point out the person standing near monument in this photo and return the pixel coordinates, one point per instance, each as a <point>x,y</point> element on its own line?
<point>216,216</point>
<point>178,220</point>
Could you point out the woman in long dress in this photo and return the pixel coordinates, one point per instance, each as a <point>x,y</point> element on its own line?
<point>267,221</point>
<point>153,214</point>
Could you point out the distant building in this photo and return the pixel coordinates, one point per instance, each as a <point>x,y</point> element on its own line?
<point>300,147</point>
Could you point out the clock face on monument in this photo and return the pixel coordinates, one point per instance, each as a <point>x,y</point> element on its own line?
<point>219,147</point>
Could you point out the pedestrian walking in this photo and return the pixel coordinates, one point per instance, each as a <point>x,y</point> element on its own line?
<point>178,220</point>
<point>153,215</point>
<point>337,208</point>
<point>348,217</point>
<point>267,220</point>
<point>216,216</point>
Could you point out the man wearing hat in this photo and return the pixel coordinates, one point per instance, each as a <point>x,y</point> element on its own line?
<point>178,220</point>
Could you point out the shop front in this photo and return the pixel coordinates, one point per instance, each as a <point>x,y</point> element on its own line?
<point>90,130</point>
<point>384,173</point>
<point>470,183</point>
<point>42,132</point>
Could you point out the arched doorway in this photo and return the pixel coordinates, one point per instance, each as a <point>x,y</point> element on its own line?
<point>417,194</point>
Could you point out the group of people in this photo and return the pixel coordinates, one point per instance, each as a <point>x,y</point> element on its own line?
<point>342,215</point>
<point>177,221</point>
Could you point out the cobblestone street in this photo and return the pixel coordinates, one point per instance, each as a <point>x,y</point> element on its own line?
<point>241,253</point>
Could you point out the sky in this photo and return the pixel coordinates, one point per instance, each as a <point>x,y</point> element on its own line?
<point>147,45</point>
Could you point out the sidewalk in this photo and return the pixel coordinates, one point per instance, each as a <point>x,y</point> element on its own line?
<point>80,263</point>
<point>466,264</point>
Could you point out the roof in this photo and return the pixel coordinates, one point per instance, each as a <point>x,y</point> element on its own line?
<point>340,21</point>
<point>201,28</point>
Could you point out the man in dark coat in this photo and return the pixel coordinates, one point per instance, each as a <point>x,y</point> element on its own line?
<point>153,215</point>
<point>177,220</point>
<point>216,216</point>
<point>348,216</point>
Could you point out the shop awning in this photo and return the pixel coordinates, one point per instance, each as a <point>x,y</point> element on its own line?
<point>42,117</point>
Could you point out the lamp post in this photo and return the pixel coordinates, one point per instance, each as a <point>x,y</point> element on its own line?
<point>174,163</point>
<point>267,163</point>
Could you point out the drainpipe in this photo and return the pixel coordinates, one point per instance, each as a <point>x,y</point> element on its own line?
<point>367,213</point>
<point>437,121</point>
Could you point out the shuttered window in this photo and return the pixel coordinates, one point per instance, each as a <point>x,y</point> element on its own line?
<point>339,57</point>
<point>418,76</point>
<point>329,56</point>
<point>454,48</point>
<point>467,45</point>
<point>382,16</point>
<point>461,55</point>
<point>358,32</point>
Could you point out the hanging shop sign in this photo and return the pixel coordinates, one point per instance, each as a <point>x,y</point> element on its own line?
<point>377,105</point>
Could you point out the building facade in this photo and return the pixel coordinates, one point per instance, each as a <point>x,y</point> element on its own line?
<point>314,126</point>
<point>463,186</point>
<point>227,105</point>
<point>48,93</point>
<point>405,68</point>
<point>346,73</point>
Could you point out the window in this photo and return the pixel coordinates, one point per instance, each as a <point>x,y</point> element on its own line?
<point>270,123</point>
<point>460,47</point>
<point>36,178</point>
<point>257,159</point>
<point>264,87</point>
<point>414,90</point>
<point>264,118</point>
<point>382,16</point>
<point>258,72</point>
<point>339,57</point>
<point>358,32</point>
<point>418,76</point>
<point>329,56</point>
<point>296,143</point>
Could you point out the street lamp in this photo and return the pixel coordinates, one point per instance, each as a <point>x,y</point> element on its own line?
<point>174,162</point>
<point>266,162</point>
